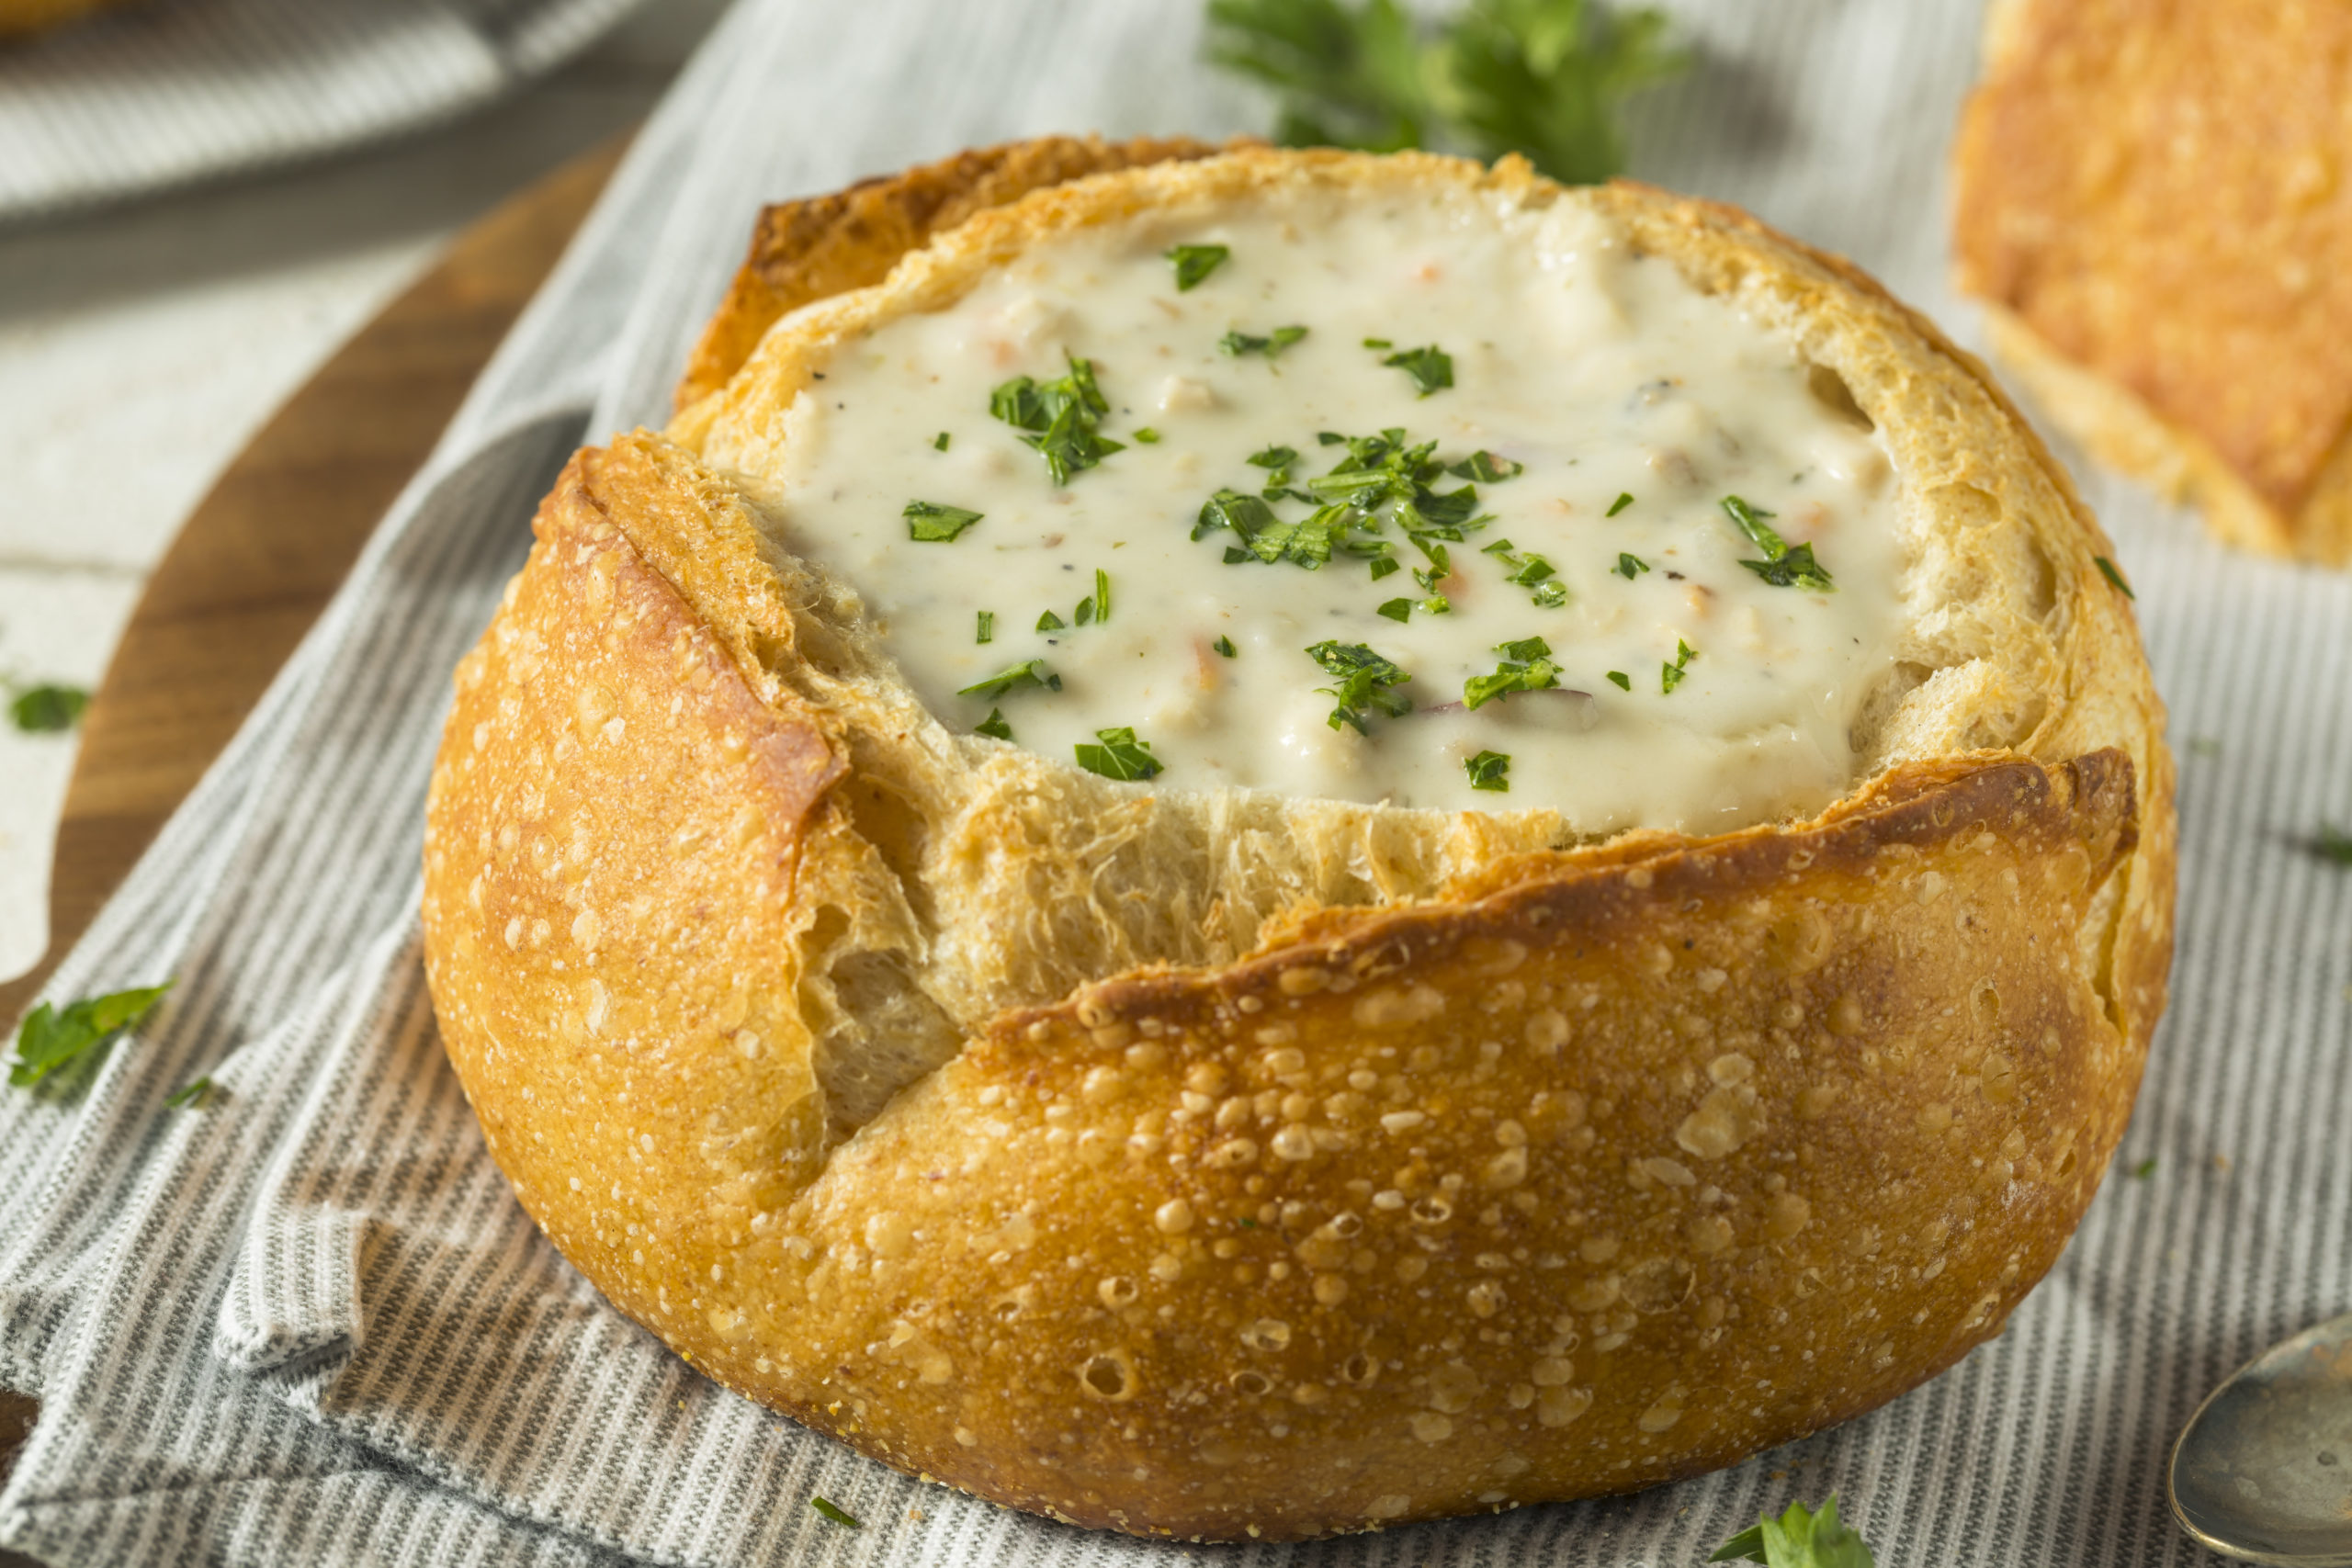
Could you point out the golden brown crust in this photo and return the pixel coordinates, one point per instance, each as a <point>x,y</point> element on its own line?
<point>2151,194</point>
<point>829,244</point>
<point>22,18</point>
<point>1515,1172</point>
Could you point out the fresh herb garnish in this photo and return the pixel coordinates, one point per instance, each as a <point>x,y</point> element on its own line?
<point>1276,461</point>
<point>1488,770</point>
<point>1625,499</point>
<point>1486,468</point>
<point>1096,608</point>
<point>939,442</point>
<point>1031,672</point>
<point>1272,345</point>
<point>986,629</point>
<point>191,1095</point>
<point>1224,645</point>
<point>1050,622</point>
<point>1367,681</point>
<point>1397,609</point>
<point>1376,343</point>
<point>928,522</point>
<point>1432,368</point>
<point>49,1040</point>
<point>2333,844</point>
<point>1526,667</point>
<point>828,1510</point>
<point>1194,262</point>
<point>1631,566</point>
<point>1060,418</point>
<point>1624,682</point>
<point>1146,437</point>
<point>1532,572</point>
<point>1386,566</point>
<point>994,725</point>
<point>1671,675</point>
<point>48,709</point>
<point>1798,1539</point>
<point>1540,77</point>
<point>1782,567</point>
<point>2144,1170</point>
<point>1120,756</point>
<point>2115,577</point>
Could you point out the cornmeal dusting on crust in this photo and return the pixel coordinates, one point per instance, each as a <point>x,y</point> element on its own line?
<point>2153,197</point>
<point>1225,1167</point>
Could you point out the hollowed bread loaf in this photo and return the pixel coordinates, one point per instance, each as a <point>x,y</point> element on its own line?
<point>1215,1164</point>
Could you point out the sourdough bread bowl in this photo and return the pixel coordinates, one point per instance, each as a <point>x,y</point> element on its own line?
<point>1219,1161</point>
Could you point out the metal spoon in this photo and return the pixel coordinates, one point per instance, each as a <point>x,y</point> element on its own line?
<point>2263,1471</point>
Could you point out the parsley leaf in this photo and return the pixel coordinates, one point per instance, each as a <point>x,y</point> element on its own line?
<point>1540,77</point>
<point>829,1510</point>
<point>1365,682</point>
<point>1060,418</point>
<point>1782,566</point>
<point>1432,368</point>
<point>1120,756</point>
<point>1272,345</point>
<point>48,709</point>
<point>2114,578</point>
<point>994,725</point>
<point>2144,1170</point>
<point>49,1039</point>
<point>1527,667</point>
<point>1050,622</point>
<point>1532,572</point>
<point>1625,681</point>
<point>1486,467</point>
<point>1488,770</point>
<point>1631,566</point>
<point>1148,436</point>
<point>928,522</point>
<point>1224,645</point>
<point>192,1096</point>
<point>1397,609</point>
<point>2333,844</point>
<point>1671,675</point>
<point>1030,674</point>
<point>1625,499</point>
<point>939,442</point>
<point>1194,262</point>
<point>1798,1538</point>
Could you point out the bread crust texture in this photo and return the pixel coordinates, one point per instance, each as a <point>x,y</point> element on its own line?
<point>2146,197</point>
<point>1219,1165</point>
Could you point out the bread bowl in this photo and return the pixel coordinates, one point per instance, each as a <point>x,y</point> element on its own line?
<point>2149,200</point>
<point>1215,1162</point>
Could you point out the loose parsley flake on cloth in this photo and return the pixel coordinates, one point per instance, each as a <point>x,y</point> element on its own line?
<point>51,1041</point>
<point>1800,1538</point>
<point>48,709</point>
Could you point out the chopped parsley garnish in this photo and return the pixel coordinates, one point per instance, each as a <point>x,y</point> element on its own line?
<point>48,709</point>
<point>1526,667</point>
<point>1120,756</point>
<point>1096,608</point>
<point>2144,1170</point>
<point>1486,467</point>
<point>1030,672</point>
<point>1367,681</point>
<point>1276,461</point>
<point>1060,418</point>
<point>49,1039</point>
<point>1782,567</point>
<point>1397,609</point>
<point>939,442</point>
<point>2114,578</point>
<point>1224,645</point>
<point>1625,681</point>
<point>1194,262</point>
<point>1671,674</point>
<point>994,725</point>
<point>928,522</point>
<point>1431,368</point>
<point>1532,572</point>
<point>1050,622</point>
<point>193,1095</point>
<point>1625,499</point>
<point>1488,770</point>
<point>1378,343</point>
<point>1146,437</point>
<point>2333,844</point>
<point>1629,567</point>
<point>1272,345</point>
<point>1386,566</point>
<point>1798,1539</point>
<point>828,1510</point>
<point>986,629</point>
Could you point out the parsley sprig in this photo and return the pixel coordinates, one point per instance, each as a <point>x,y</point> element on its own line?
<point>51,1041</point>
<point>1800,1538</point>
<point>1119,755</point>
<point>1060,418</point>
<point>1540,77</point>
<point>1782,566</point>
<point>1367,681</point>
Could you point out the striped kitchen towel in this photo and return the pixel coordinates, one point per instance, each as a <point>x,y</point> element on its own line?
<point>161,94</point>
<point>307,1323</point>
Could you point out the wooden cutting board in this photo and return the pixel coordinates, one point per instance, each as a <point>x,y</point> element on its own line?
<point>259,558</point>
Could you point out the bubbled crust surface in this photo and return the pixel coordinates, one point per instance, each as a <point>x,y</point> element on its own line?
<point>2154,195</point>
<point>1449,1171</point>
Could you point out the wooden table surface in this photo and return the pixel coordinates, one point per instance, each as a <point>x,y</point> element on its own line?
<point>260,557</point>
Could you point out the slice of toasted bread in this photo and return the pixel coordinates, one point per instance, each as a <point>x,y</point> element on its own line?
<point>2152,198</point>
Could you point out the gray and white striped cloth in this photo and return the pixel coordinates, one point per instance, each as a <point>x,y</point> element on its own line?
<point>309,1325</point>
<point>169,90</point>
